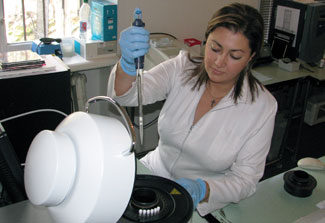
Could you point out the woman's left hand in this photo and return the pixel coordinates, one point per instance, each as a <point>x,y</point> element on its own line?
<point>196,188</point>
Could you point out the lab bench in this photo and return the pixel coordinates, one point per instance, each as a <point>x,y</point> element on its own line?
<point>271,203</point>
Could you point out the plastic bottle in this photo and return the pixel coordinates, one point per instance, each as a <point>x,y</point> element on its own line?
<point>322,62</point>
<point>84,16</point>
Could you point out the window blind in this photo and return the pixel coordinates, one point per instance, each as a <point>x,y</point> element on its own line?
<point>266,11</point>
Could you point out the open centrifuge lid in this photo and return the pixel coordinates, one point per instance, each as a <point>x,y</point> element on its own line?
<point>84,171</point>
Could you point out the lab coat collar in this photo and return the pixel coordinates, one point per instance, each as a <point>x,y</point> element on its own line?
<point>229,101</point>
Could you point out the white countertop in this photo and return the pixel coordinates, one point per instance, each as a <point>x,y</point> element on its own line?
<point>271,203</point>
<point>78,63</point>
<point>271,74</point>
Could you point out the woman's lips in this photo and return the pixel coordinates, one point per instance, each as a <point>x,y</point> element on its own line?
<point>216,71</point>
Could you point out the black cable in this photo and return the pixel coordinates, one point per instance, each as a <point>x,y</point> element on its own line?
<point>167,34</point>
<point>148,124</point>
<point>38,45</point>
<point>131,113</point>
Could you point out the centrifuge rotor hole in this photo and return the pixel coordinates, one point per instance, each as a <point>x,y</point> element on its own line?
<point>144,198</point>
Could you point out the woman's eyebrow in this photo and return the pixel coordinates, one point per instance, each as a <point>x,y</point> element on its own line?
<point>216,42</point>
<point>232,50</point>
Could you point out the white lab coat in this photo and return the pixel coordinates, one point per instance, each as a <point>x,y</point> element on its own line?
<point>227,147</point>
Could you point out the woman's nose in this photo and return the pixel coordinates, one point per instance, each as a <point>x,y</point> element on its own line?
<point>221,60</point>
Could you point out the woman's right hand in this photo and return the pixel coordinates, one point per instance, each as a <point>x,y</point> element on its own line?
<point>134,42</point>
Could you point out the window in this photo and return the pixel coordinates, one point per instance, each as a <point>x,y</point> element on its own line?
<point>22,21</point>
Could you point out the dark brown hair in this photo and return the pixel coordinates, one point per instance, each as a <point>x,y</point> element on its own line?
<point>237,18</point>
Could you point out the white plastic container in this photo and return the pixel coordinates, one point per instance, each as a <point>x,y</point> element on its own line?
<point>67,47</point>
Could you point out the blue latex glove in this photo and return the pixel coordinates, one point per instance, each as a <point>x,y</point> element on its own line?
<point>196,188</point>
<point>134,42</point>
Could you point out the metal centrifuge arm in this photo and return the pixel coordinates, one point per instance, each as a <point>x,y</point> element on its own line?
<point>139,63</point>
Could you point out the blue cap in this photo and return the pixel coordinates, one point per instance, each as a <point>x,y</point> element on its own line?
<point>137,13</point>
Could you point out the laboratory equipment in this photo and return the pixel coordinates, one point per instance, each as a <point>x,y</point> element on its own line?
<point>47,46</point>
<point>311,163</point>
<point>139,64</point>
<point>92,49</point>
<point>302,23</point>
<point>299,183</point>
<point>157,199</point>
<point>164,47</point>
<point>104,20</point>
<point>84,171</point>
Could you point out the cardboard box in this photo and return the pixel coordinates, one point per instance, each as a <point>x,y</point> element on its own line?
<point>315,110</point>
<point>103,20</point>
<point>92,49</point>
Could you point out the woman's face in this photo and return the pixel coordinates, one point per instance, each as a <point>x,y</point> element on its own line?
<point>226,55</point>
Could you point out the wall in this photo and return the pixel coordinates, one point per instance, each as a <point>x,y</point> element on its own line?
<point>97,85</point>
<point>181,18</point>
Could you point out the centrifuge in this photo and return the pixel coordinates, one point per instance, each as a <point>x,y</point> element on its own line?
<point>85,171</point>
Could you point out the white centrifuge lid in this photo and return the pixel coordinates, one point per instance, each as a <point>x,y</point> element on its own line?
<point>84,171</point>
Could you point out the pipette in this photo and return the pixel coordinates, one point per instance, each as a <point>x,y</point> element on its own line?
<point>139,64</point>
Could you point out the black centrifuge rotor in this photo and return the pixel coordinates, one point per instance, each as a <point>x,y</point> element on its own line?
<point>157,199</point>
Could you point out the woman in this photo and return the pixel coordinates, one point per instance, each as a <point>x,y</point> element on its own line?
<point>217,121</point>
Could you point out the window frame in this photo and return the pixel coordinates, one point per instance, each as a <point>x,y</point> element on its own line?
<point>3,36</point>
<point>4,45</point>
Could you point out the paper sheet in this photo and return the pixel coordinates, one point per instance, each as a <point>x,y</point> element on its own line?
<point>321,205</point>
<point>315,217</point>
<point>260,76</point>
<point>287,20</point>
